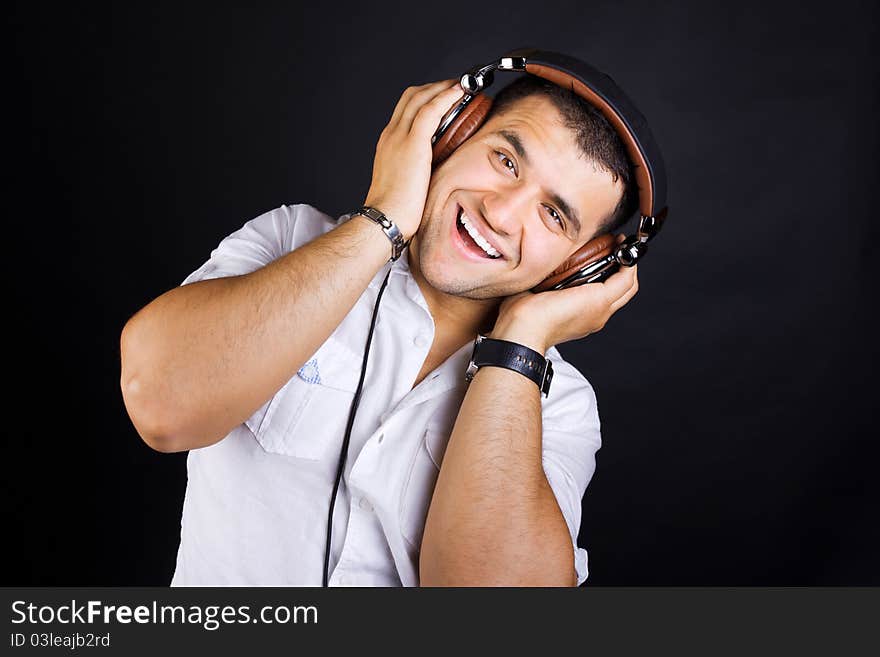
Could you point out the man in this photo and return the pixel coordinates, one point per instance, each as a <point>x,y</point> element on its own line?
<point>252,364</point>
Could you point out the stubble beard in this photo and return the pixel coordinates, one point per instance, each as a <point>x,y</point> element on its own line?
<point>441,280</point>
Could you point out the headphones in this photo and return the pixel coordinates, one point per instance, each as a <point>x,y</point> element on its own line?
<point>598,258</point>
<point>601,256</point>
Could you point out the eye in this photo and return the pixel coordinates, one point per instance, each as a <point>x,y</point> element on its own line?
<point>506,162</point>
<point>555,216</point>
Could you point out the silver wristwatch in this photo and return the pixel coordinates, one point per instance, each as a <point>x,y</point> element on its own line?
<point>392,232</point>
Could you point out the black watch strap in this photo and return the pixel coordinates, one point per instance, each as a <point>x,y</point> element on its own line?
<point>513,356</point>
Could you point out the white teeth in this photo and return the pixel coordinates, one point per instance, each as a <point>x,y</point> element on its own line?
<point>479,239</point>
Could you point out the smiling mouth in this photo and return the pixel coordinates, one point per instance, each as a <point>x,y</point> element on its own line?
<point>472,239</point>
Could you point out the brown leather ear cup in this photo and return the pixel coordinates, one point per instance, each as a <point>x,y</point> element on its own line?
<point>593,250</point>
<point>465,124</point>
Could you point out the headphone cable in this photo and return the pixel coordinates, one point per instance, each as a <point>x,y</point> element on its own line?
<point>343,454</point>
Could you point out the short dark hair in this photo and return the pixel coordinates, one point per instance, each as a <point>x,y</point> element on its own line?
<point>593,133</point>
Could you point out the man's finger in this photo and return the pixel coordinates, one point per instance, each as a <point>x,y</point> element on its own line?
<point>628,293</point>
<point>619,283</point>
<point>622,301</point>
<point>405,98</point>
<point>427,119</point>
<point>423,96</point>
<point>401,104</point>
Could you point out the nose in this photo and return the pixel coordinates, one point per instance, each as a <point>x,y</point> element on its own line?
<point>506,209</point>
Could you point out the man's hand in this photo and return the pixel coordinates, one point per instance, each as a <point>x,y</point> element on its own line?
<point>542,320</point>
<point>402,166</point>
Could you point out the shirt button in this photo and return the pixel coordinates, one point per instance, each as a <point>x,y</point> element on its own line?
<point>365,505</point>
<point>420,340</point>
<point>381,438</point>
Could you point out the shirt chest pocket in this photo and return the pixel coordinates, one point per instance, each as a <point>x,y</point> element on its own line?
<point>307,418</point>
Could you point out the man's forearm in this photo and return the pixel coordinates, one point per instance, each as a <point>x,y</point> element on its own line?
<point>202,357</point>
<point>494,519</point>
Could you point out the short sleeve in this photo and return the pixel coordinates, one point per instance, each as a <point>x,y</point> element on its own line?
<point>254,245</point>
<point>570,439</point>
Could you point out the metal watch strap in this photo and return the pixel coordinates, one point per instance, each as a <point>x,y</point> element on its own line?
<point>513,356</point>
<point>388,227</point>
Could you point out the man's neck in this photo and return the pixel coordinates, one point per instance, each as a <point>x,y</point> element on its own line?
<point>456,319</point>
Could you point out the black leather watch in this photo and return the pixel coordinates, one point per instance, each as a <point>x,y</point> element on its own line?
<point>513,356</point>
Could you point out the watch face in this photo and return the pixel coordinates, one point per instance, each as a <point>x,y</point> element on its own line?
<point>548,378</point>
<point>472,367</point>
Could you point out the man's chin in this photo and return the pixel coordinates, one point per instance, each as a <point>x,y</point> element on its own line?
<point>440,275</point>
<point>466,288</point>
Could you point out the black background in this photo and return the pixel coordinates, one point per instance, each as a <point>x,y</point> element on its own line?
<point>735,391</point>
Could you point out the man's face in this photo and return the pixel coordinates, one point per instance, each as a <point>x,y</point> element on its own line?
<point>526,190</point>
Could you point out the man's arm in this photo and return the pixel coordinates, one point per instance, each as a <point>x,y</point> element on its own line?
<point>201,358</point>
<point>494,519</point>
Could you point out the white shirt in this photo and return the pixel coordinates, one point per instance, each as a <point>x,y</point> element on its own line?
<point>255,510</point>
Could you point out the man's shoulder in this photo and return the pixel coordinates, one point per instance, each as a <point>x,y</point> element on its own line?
<point>309,213</point>
<point>306,222</point>
<point>571,393</point>
<point>566,373</point>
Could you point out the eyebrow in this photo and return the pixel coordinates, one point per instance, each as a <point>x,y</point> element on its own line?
<point>516,143</point>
